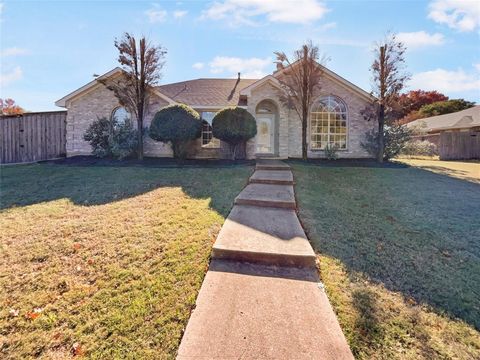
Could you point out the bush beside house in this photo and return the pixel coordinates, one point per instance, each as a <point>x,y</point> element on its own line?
<point>109,138</point>
<point>235,126</point>
<point>178,125</point>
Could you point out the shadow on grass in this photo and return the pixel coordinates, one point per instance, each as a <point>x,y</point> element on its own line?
<point>367,324</point>
<point>465,175</point>
<point>414,231</point>
<point>90,182</point>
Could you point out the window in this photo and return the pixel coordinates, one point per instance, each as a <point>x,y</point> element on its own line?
<point>121,115</point>
<point>328,123</point>
<point>207,136</point>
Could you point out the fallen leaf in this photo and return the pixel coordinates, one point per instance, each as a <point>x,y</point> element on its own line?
<point>77,349</point>
<point>32,315</point>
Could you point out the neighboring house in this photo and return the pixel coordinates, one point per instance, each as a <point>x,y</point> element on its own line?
<point>335,116</point>
<point>457,135</point>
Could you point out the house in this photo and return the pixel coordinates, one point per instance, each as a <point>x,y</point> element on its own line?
<point>457,135</point>
<point>335,116</point>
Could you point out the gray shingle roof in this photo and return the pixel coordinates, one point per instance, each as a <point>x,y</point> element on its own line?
<point>464,119</point>
<point>207,92</point>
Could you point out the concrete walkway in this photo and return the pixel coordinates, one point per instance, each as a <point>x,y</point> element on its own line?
<point>261,297</point>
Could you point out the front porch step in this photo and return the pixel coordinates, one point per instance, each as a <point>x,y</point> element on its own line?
<point>275,177</point>
<point>265,236</point>
<point>267,195</point>
<point>271,164</point>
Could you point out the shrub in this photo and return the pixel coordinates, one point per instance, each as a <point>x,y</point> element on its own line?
<point>98,134</point>
<point>235,126</point>
<point>109,138</point>
<point>177,124</point>
<point>420,148</point>
<point>124,140</point>
<point>395,138</point>
<point>331,151</point>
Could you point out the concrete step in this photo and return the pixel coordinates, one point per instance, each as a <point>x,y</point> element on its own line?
<point>271,164</point>
<point>264,235</point>
<point>251,311</point>
<point>278,177</point>
<point>267,195</point>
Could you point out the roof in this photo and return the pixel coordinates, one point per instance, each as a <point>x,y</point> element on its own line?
<point>207,92</point>
<point>464,119</point>
<point>335,77</point>
<point>63,101</point>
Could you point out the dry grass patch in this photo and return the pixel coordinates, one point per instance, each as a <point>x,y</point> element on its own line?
<point>116,279</point>
<point>466,170</point>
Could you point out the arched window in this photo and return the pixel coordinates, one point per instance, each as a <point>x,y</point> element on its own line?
<point>328,124</point>
<point>121,115</point>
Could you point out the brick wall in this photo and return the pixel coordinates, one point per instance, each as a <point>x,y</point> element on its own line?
<point>290,130</point>
<point>100,102</point>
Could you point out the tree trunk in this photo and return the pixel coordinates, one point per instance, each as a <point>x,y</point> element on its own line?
<point>140,134</point>
<point>304,135</point>
<point>234,151</point>
<point>381,138</point>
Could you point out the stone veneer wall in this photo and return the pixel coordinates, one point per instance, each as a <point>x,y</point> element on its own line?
<point>290,129</point>
<point>100,102</point>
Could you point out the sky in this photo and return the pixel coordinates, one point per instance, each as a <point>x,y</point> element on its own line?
<point>50,48</point>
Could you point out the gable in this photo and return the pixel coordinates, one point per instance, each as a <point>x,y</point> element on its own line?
<point>327,75</point>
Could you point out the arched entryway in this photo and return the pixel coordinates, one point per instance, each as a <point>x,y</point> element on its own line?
<point>266,115</point>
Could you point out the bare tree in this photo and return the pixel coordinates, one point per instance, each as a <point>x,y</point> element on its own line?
<point>300,80</point>
<point>389,78</point>
<point>141,64</point>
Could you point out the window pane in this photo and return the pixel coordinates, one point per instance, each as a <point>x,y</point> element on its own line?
<point>329,123</point>
<point>121,115</point>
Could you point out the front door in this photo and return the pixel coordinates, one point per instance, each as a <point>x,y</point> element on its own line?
<point>265,133</point>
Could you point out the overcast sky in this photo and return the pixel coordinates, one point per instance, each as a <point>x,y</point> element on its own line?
<point>49,49</point>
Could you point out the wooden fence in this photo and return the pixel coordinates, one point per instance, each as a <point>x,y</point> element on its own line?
<point>32,137</point>
<point>459,145</point>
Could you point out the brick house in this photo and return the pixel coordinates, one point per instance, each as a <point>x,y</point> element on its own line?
<point>335,115</point>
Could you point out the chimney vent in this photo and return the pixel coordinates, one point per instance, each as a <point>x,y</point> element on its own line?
<point>238,76</point>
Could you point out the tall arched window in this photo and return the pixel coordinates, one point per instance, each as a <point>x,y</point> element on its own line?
<point>328,124</point>
<point>121,115</point>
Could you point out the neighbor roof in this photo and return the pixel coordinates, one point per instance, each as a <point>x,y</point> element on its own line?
<point>464,119</point>
<point>207,92</point>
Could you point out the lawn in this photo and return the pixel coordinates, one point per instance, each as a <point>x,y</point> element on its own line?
<point>105,261</point>
<point>399,251</point>
<point>466,169</point>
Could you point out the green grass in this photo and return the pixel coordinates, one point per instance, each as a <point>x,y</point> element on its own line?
<point>111,257</point>
<point>399,252</point>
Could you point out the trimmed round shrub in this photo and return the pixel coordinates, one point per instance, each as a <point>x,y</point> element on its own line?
<point>178,125</point>
<point>235,126</point>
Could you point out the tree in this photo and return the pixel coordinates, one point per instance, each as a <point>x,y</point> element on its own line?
<point>141,64</point>
<point>235,126</point>
<point>9,107</point>
<point>444,107</point>
<point>177,124</point>
<point>300,81</point>
<point>389,79</point>
<point>415,99</point>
